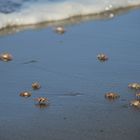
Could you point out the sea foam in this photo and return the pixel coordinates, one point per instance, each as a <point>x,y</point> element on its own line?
<point>33,12</point>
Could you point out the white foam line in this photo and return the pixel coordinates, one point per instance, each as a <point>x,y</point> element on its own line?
<point>33,13</point>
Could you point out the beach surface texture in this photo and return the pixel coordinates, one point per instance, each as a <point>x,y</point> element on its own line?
<point>70,85</point>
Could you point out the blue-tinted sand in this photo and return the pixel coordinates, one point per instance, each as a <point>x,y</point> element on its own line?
<point>74,81</point>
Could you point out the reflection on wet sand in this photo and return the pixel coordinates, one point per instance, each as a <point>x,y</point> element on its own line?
<point>42,106</point>
<point>68,22</point>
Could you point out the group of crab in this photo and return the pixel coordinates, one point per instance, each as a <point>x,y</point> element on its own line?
<point>135,102</point>
<point>35,86</point>
<point>102,57</point>
<point>6,57</point>
<point>39,100</point>
<point>113,96</point>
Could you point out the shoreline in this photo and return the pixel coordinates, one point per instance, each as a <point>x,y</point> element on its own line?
<point>70,21</point>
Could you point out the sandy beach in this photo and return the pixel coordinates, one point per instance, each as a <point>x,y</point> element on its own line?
<point>73,80</point>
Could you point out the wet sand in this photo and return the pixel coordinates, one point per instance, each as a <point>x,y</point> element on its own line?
<point>74,81</point>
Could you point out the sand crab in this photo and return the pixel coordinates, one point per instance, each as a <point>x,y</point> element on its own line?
<point>25,94</point>
<point>36,85</point>
<point>111,96</point>
<point>135,103</point>
<point>102,57</point>
<point>42,100</point>
<point>60,30</point>
<point>134,86</point>
<point>6,57</point>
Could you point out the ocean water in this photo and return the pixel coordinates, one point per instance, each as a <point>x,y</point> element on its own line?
<point>29,12</point>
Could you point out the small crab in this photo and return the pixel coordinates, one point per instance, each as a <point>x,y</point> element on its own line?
<point>134,86</point>
<point>60,30</point>
<point>41,100</point>
<point>138,95</point>
<point>6,57</point>
<point>135,103</point>
<point>36,85</point>
<point>111,95</point>
<point>102,57</point>
<point>25,94</point>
